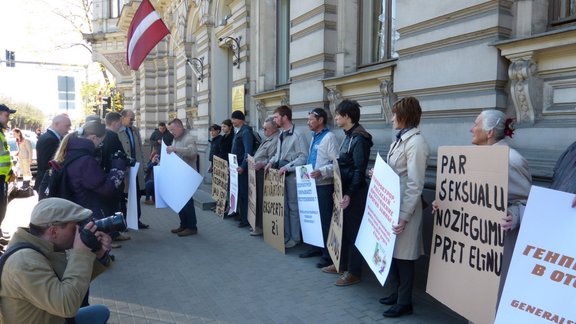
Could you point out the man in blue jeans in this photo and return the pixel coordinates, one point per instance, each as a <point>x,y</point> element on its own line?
<point>323,150</point>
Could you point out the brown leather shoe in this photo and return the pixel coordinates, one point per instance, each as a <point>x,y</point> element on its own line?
<point>347,279</point>
<point>187,232</point>
<point>148,202</point>
<point>177,230</point>
<point>121,237</point>
<point>331,269</point>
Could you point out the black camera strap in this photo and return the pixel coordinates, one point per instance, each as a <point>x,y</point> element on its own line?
<point>13,249</point>
<point>17,247</point>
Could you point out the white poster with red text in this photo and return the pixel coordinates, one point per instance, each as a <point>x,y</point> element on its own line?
<point>541,282</point>
<point>375,238</point>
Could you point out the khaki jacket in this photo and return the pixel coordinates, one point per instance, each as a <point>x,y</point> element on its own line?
<point>408,158</point>
<point>267,149</point>
<point>185,148</point>
<point>123,137</point>
<point>44,289</point>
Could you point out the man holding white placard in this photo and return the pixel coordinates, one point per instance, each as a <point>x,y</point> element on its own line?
<point>323,150</point>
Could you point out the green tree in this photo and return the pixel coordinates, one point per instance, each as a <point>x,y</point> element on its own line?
<point>27,116</point>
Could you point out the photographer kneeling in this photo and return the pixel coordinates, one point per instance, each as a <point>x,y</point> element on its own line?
<point>42,282</point>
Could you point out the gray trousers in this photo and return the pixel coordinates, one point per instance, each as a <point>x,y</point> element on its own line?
<point>291,213</point>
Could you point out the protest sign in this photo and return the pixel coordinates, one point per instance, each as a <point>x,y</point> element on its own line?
<point>334,242</point>
<point>220,184</point>
<point>179,180</point>
<point>544,260</point>
<point>233,199</point>
<point>251,192</point>
<point>467,240</point>
<point>376,238</point>
<point>308,206</point>
<point>132,205</point>
<point>273,209</point>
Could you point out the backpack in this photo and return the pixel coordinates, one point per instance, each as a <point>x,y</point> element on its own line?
<point>55,180</point>
<point>256,141</point>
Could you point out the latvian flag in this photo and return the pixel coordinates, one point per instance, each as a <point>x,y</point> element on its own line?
<point>146,30</point>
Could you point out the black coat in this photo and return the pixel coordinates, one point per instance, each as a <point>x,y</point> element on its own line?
<point>215,147</point>
<point>110,145</point>
<point>353,160</point>
<point>45,149</point>
<point>226,145</point>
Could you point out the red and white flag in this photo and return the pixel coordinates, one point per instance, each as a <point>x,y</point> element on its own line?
<point>146,30</point>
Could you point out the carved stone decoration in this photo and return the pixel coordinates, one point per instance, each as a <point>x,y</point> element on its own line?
<point>388,99</point>
<point>521,74</point>
<point>334,97</point>
<point>181,26</point>
<point>204,12</point>
<point>285,101</point>
<point>262,112</point>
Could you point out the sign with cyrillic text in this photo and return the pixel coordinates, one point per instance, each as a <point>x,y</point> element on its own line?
<point>541,282</point>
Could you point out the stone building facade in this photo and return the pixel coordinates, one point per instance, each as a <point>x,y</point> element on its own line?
<point>458,57</point>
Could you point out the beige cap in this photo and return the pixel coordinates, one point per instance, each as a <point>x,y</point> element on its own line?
<point>57,210</point>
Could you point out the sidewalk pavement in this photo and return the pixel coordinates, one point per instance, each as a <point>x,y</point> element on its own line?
<point>224,275</point>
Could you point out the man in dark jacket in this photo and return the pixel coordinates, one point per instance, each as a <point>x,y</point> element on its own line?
<point>353,162</point>
<point>111,145</point>
<point>158,135</point>
<point>242,146</point>
<point>48,144</point>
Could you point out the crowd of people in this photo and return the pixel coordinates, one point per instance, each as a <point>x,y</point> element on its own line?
<point>97,156</point>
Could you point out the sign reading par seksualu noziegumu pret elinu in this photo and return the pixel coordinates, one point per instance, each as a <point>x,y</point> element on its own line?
<point>308,206</point>
<point>233,170</point>
<point>251,192</point>
<point>541,280</point>
<point>375,238</point>
<point>334,242</point>
<point>273,209</point>
<point>467,239</point>
<point>220,184</point>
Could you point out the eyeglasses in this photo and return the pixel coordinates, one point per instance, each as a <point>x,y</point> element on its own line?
<point>314,113</point>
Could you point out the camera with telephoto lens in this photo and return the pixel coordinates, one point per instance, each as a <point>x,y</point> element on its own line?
<point>130,161</point>
<point>114,223</point>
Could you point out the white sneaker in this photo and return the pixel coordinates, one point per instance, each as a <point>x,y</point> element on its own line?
<point>290,244</point>
<point>256,232</point>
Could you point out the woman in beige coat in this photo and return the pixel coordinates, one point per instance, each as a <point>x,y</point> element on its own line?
<point>407,157</point>
<point>24,156</point>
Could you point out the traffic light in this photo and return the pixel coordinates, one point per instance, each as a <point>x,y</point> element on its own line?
<point>10,59</point>
<point>106,104</point>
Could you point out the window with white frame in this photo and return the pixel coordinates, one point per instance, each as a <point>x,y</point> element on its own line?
<point>377,27</point>
<point>115,6</point>
<point>283,42</point>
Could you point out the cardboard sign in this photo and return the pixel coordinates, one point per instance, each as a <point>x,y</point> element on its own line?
<point>273,210</point>
<point>467,240</point>
<point>334,243</point>
<point>542,276</point>
<point>375,238</point>
<point>220,184</point>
